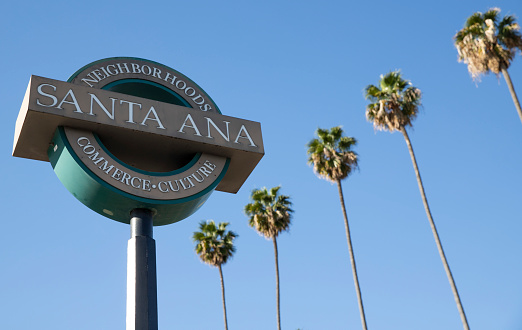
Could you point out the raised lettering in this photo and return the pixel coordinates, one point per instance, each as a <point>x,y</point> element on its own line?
<point>193,126</point>
<point>132,182</point>
<point>146,185</point>
<point>95,98</point>
<point>172,188</point>
<point>156,73</point>
<point>198,180</point>
<point>105,71</point>
<point>156,118</point>
<point>95,159</point>
<point>161,189</point>
<point>111,69</point>
<point>192,93</point>
<point>172,78</point>
<point>91,80</point>
<point>243,129</point>
<point>106,168</point>
<point>205,171</point>
<point>125,178</point>
<point>191,184</point>
<point>82,138</point>
<point>148,69</point>
<point>124,65</point>
<point>209,165</point>
<point>205,107</point>
<point>117,174</point>
<point>100,76</point>
<point>209,122</point>
<point>199,98</point>
<point>131,110</point>
<point>135,68</point>
<point>74,101</point>
<point>52,97</point>
<point>89,149</point>
<point>184,84</point>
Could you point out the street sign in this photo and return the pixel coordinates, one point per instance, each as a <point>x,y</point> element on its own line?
<point>127,133</point>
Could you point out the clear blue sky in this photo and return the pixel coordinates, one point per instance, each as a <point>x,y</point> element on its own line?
<point>293,66</point>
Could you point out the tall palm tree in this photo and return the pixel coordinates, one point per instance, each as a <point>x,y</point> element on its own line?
<point>394,104</point>
<point>214,245</point>
<point>488,43</point>
<point>332,159</point>
<point>270,214</point>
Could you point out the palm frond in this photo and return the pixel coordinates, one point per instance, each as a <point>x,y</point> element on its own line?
<point>331,155</point>
<point>214,244</point>
<point>269,213</point>
<point>492,14</point>
<point>394,105</point>
<point>475,18</point>
<point>487,44</point>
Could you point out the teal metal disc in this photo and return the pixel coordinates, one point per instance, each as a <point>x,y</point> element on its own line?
<point>114,203</point>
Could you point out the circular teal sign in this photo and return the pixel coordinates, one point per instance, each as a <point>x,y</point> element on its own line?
<point>112,175</point>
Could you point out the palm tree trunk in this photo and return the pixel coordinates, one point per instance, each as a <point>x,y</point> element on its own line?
<point>277,283</point>
<point>352,257</point>
<point>512,91</point>
<point>435,233</point>
<point>223,296</point>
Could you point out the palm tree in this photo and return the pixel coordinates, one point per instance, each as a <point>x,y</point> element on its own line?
<point>393,106</point>
<point>332,159</point>
<point>270,214</point>
<point>488,43</point>
<point>214,245</point>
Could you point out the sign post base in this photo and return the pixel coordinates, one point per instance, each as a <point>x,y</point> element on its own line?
<point>142,305</point>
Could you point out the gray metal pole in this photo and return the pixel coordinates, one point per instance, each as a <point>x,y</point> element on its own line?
<point>142,302</point>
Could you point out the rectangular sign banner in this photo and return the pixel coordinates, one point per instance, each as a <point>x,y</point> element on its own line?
<point>142,124</point>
